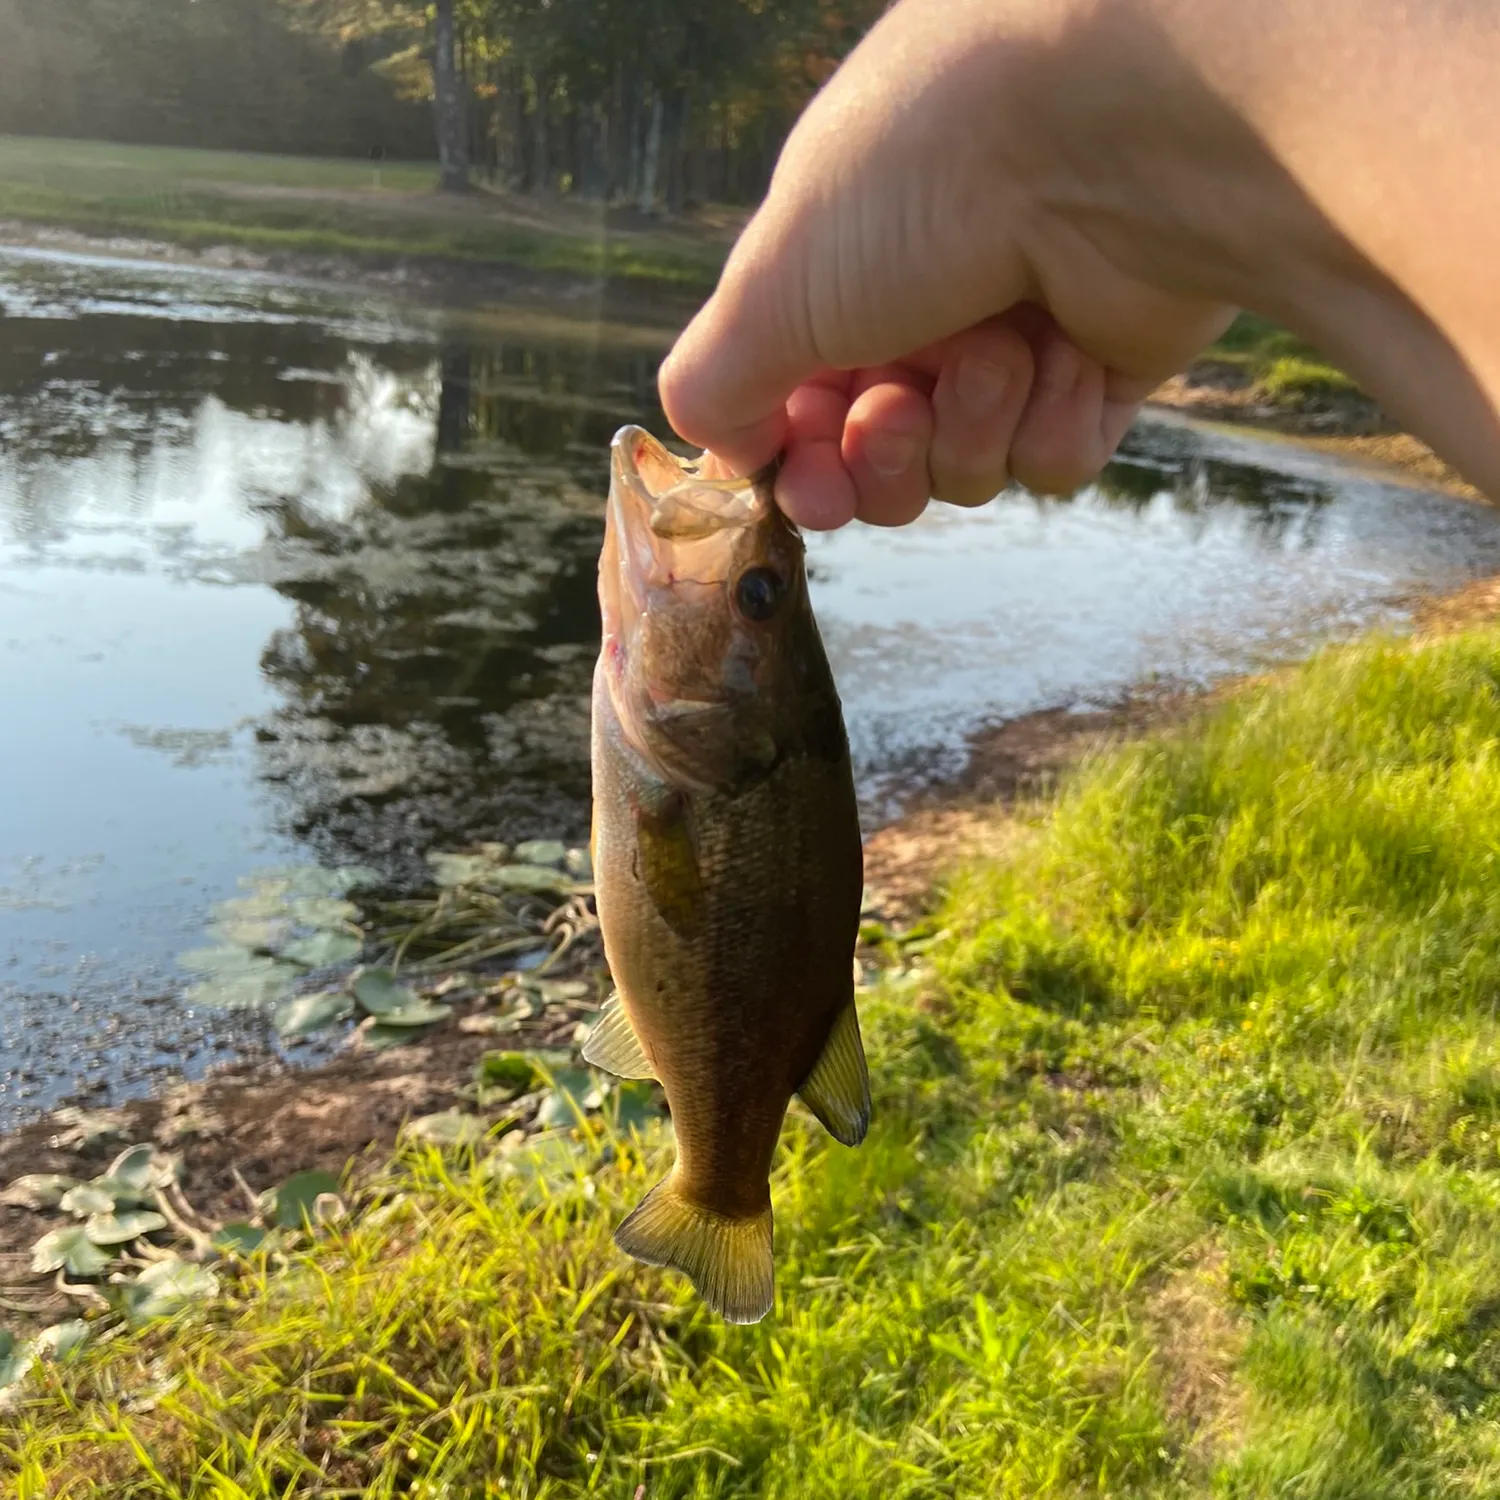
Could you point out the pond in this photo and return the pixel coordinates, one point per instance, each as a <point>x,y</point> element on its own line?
<point>289,574</point>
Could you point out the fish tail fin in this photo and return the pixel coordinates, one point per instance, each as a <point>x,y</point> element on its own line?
<point>729,1261</point>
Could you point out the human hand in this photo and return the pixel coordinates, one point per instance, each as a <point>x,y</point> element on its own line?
<point>955,278</point>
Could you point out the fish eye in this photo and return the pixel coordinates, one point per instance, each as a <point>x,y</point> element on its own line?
<point>758,593</point>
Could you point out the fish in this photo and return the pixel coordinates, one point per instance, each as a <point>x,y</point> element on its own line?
<point>728,862</point>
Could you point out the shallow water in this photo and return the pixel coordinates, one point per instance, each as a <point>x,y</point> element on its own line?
<point>290,575</point>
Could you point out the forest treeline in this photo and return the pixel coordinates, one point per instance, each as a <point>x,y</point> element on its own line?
<point>659,102</point>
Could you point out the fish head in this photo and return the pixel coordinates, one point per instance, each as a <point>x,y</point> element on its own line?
<point>710,649</point>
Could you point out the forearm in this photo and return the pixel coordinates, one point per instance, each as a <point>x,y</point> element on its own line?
<point>1370,172</point>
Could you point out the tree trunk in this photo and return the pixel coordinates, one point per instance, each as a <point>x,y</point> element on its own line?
<point>520,165</point>
<point>677,153</point>
<point>542,175</point>
<point>599,180</point>
<point>573,148</point>
<point>448,105</point>
<point>633,131</point>
<point>652,157</point>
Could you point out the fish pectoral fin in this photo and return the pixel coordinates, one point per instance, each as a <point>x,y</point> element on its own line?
<point>729,1261</point>
<point>837,1090</point>
<point>667,860</point>
<point>614,1046</point>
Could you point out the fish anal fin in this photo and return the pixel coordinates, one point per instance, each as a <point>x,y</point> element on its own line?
<point>729,1261</point>
<point>614,1046</point>
<point>837,1090</point>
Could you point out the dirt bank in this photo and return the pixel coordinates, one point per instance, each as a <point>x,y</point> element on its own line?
<point>1346,423</point>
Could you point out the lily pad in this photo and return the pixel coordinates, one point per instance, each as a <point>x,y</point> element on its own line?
<point>551,1158</point>
<point>238,1239</point>
<point>68,1249</point>
<point>62,1340</point>
<point>166,1287</point>
<point>573,1092</point>
<point>37,1190</point>
<point>293,1200</point>
<point>632,1105</point>
<point>421,1014</point>
<point>16,1359</point>
<point>87,1199</point>
<point>505,1074</point>
<point>249,988</point>
<point>379,992</point>
<point>324,949</point>
<point>323,911</point>
<point>451,1127</point>
<point>250,933</point>
<point>224,959</point>
<point>378,1037</point>
<point>141,1167</point>
<point>308,1013</point>
<point>121,1194</point>
<point>120,1229</point>
<point>450,870</point>
<point>541,852</point>
<point>310,880</point>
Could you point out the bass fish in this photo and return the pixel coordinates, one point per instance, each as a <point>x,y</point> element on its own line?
<point>728,865</point>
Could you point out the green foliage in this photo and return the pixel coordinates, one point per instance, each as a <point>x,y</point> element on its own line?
<point>554,94</point>
<point>1290,378</point>
<point>1184,1181</point>
<point>1285,369</point>
<point>225,73</point>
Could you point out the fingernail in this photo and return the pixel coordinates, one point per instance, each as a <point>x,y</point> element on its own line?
<point>890,453</point>
<point>1061,367</point>
<point>980,386</point>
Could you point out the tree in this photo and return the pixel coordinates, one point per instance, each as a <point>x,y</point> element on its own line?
<point>448,103</point>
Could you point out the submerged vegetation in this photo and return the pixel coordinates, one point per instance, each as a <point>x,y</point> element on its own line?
<point>1183,1180</point>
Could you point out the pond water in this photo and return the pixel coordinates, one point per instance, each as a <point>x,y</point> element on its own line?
<point>288,574</point>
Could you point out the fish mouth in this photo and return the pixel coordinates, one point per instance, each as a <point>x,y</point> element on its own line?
<point>662,518</point>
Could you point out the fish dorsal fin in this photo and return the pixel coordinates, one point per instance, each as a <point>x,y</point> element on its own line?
<point>837,1090</point>
<point>729,1261</point>
<point>614,1046</point>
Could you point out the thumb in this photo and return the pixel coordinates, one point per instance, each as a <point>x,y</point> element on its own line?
<point>725,383</point>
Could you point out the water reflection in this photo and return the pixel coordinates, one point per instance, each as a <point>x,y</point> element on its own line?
<point>284,573</point>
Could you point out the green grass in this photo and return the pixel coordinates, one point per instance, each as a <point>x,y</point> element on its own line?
<point>201,198</point>
<point>1184,1181</point>
<point>1284,369</point>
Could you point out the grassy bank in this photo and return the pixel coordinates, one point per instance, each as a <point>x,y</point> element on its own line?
<point>1184,1182</point>
<point>1277,365</point>
<point>329,207</point>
